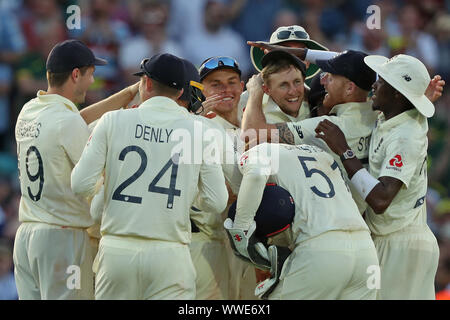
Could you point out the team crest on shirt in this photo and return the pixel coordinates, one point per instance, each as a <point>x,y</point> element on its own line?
<point>243,160</point>
<point>396,163</point>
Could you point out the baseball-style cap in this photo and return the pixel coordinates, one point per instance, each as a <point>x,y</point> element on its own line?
<point>275,213</point>
<point>164,68</point>
<point>217,63</point>
<point>316,90</point>
<point>407,75</point>
<point>70,54</point>
<point>284,34</point>
<point>351,65</point>
<point>276,55</point>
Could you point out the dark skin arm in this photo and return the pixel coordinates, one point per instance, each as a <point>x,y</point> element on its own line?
<point>384,192</point>
<point>299,52</point>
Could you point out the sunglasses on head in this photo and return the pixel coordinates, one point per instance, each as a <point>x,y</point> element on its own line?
<point>218,62</point>
<point>285,34</point>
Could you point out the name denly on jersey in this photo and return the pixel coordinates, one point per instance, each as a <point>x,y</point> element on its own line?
<point>152,134</point>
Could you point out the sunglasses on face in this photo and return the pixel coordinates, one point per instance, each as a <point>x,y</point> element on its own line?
<point>217,62</point>
<point>285,34</point>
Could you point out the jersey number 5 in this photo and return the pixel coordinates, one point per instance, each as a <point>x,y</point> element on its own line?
<point>310,172</point>
<point>171,191</point>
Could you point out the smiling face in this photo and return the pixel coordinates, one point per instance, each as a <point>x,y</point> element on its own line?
<point>286,88</point>
<point>335,87</point>
<point>227,84</point>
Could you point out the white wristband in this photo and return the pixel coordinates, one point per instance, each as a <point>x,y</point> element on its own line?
<point>364,182</point>
<point>314,55</point>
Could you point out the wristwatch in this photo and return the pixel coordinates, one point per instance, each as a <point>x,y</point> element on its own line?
<point>348,154</point>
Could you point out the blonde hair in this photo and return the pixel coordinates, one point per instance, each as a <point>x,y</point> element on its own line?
<point>275,67</point>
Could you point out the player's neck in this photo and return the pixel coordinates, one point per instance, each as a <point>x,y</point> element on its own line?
<point>62,91</point>
<point>231,117</point>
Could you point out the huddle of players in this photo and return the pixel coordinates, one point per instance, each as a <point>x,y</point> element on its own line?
<point>148,212</point>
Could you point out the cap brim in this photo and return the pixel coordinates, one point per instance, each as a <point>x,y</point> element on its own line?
<point>326,66</point>
<point>421,102</point>
<point>100,62</point>
<point>138,74</point>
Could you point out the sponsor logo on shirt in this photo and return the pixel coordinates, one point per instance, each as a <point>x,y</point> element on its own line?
<point>396,161</point>
<point>243,160</point>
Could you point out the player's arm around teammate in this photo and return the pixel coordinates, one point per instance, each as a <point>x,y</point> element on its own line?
<point>396,186</point>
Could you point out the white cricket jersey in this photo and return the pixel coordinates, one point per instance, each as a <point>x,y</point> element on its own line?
<point>272,111</point>
<point>398,149</point>
<point>356,120</point>
<point>312,177</point>
<point>227,136</point>
<point>50,135</point>
<point>155,159</point>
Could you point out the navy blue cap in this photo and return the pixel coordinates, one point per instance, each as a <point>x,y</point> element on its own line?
<point>276,55</point>
<point>316,90</point>
<point>191,74</point>
<point>351,65</point>
<point>275,213</point>
<point>164,68</point>
<point>70,54</point>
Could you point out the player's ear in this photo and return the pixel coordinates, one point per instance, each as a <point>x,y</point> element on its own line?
<point>148,84</point>
<point>265,89</point>
<point>180,93</point>
<point>75,75</point>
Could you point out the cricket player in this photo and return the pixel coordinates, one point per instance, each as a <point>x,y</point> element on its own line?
<point>52,254</point>
<point>207,248</point>
<point>274,108</point>
<point>348,83</point>
<point>154,167</point>
<point>220,275</point>
<point>331,248</point>
<point>396,183</point>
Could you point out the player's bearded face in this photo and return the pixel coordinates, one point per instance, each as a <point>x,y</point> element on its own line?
<point>334,85</point>
<point>227,84</point>
<point>287,88</point>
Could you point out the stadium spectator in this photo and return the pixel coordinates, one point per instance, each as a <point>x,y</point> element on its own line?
<point>216,38</point>
<point>151,38</point>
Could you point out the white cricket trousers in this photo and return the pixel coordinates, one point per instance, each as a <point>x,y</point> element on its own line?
<point>334,265</point>
<point>408,261</point>
<point>53,262</point>
<point>141,269</point>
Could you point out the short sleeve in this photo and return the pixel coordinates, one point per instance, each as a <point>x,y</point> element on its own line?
<point>401,159</point>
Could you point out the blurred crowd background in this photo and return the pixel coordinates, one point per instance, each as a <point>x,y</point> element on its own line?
<point>126,31</point>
